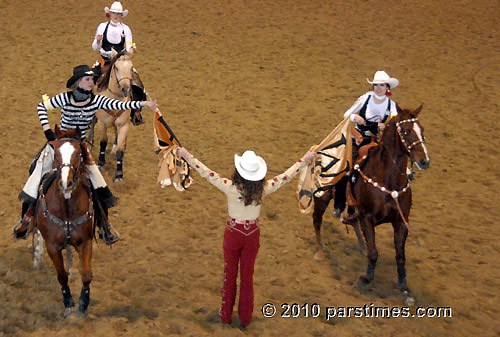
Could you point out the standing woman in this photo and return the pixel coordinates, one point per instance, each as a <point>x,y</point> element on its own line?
<point>78,108</point>
<point>245,193</point>
<point>113,37</point>
<point>370,112</point>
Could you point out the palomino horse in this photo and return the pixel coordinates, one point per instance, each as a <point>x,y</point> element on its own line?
<point>115,83</point>
<point>380,189</point>
<point>64,214</point>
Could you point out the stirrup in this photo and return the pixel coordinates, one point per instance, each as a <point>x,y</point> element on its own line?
<point>337,212</point>
<point>108,237</point>
<point>350,219</point>
<point>22,232</point>
<point>136,121</point>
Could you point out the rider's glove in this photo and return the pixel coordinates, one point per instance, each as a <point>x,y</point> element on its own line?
<point>49,134</point>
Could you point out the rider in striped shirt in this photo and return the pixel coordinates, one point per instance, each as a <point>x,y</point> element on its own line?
<point>78,108</point>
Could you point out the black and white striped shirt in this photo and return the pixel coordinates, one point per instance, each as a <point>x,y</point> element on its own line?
<point>73,116</point>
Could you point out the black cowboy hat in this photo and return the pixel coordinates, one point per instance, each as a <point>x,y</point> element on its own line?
<point>79,72</point>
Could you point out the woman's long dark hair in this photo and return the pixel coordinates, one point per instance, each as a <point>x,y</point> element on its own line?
<point>250,190</point>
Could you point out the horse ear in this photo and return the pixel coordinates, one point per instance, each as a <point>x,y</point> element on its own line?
<point>57,131</point>
<point>114,52</point>
<point>417,111</point>
<point>130,52</point>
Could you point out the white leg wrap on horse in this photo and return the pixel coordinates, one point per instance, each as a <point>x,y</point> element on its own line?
<point>43,165</point>
<point>95,176</point>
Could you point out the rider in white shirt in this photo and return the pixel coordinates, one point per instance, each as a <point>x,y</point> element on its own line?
<point>369,113</point>
<point>113,37</point>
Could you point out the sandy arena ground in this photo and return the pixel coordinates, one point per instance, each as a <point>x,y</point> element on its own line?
<point>276,77</point>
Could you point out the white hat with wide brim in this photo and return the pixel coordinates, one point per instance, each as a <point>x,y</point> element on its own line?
<point>384,78</point>
<point>116,7</point>
<point>250,166</point>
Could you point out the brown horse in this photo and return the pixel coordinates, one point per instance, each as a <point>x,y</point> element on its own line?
<point>320,205</point>
<point>64,213</point>
<point>115,83</point>
<point>380,190</point>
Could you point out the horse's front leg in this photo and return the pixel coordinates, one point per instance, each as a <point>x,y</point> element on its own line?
<point>122,131</point>
<point>368,227</point>
<point>62,277</point>
<point>85,252</point>
<point>400,235</point>
<point>320,205</point>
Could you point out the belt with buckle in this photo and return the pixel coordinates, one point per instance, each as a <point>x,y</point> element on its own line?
<point>246,224</point>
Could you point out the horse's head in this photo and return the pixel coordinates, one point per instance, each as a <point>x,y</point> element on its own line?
<point>411,134</point>
<point>68,159</point>
<point>118,77</point>
<point>122,69</point>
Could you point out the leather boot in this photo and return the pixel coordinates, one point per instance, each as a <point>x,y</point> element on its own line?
<point>26,223</point>
<point>138,94</point>
<point>106,200</point>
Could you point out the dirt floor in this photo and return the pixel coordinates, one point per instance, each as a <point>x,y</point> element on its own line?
<point>275,77</point>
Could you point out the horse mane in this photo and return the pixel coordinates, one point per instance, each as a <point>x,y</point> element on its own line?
<point>104,80</point>
<point>69,133</point>
<point>390,127</point>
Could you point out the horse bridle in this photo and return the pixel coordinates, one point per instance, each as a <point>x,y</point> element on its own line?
<point>403,140</point>
<point>119,80</point>
<point>76,178</point>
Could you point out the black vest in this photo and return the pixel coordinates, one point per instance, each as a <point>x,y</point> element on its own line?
<point>371,126</point>
<point>106,45</point>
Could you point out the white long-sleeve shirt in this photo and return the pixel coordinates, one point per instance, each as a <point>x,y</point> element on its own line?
<point>374,112</point>
<point>114,35</point>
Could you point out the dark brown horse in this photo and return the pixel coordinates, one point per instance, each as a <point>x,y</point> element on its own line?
<point>64,213</point>
<point>380,189</point>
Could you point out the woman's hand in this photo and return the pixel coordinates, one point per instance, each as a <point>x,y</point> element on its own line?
<point>184,153</point>
<point>359,120</point>
<point>153,105</point>
<point>381,126</point>
<point>309,156</point>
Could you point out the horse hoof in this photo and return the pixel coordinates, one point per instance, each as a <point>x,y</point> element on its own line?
<point>319,256</point>
<point>68,313</point>
<point>408,300</point>
<point>37,265</point>
<point>82,314</point>
<point>118,179</point>
<point>363,281</point>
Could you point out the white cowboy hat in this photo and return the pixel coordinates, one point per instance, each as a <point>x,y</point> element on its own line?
<point>250,166</point>
<point>382,77</point>
<point>116,7</point>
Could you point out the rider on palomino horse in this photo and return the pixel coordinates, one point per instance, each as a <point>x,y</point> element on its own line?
<point>370,112</point>
<point>114,37</point>
<point>78,108</point>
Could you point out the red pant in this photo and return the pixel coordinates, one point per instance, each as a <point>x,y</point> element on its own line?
<point>241,244</point>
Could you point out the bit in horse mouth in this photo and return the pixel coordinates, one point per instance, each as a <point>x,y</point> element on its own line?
<point>67,195</point>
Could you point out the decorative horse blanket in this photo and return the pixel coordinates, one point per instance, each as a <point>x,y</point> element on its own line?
<point>332,162</point>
